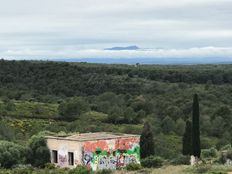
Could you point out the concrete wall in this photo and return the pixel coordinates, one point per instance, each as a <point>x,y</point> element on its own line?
<point>100,154</point>
<point>63,147</point>
<point>111,154</point>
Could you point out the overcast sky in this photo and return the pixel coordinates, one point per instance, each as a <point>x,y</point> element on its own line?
<point>83,28</point>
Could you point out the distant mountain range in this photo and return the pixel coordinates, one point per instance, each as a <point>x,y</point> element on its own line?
<point>132,47</point>
<point>134,59</point>
<point>162,61</point>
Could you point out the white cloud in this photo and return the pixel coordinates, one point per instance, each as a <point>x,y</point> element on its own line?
<point>205,52</point>
<point>82,28</point>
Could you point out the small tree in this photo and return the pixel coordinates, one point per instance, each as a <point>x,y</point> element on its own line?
<point>11,154</point>
<point>73,108</point>
<point>146,141</point>
<point>168,125</point>
<point>129,115</point>
<point>115,115</point>
<point>180,126</point>
<point>9,105</point>
<point>38,153</point>
<point>196,128</point>
<point>187,139</point>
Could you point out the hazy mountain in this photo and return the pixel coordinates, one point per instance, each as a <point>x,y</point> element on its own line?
<point>150,60</point>
<point>132,47</point>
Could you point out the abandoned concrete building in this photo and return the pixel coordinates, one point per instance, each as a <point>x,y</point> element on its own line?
<point>98,151</point>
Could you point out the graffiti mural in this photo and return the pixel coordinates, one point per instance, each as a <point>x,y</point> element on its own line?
<point>62,156</point>
<point>62,160</point>
<point>105,162</point>
<point>111,154</point>
<point>87,158</point>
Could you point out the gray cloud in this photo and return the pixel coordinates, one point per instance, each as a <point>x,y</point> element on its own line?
<point>83,28</point>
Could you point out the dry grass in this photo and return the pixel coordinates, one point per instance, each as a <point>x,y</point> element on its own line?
<point>171,170</point>
<point>164,170</point>
<point>181,169</point>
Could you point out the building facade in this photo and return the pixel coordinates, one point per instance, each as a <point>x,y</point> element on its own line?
<point>95,150</point>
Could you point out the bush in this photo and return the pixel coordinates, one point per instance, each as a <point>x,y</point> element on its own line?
<point>50,166</point>
<point>104,171</point>
<point>210,169</point>
<point>181,159</point>
<point>225,154</point>
<point>200,169</point>
<point>152,161</point>
<point>11,154</point>
<point>226,147</point>
<point>80,170</point>
<point>216,172</point>
<point>22,171</point>
<point>133,167</point>
<point>73,108</point>
<point>209,153</point>
<point>167,146</point>
<point>38,153</point>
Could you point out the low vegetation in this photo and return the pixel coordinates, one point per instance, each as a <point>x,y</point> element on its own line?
<point>169,169</point>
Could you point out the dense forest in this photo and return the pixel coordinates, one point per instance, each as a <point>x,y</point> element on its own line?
<point>64,97</point>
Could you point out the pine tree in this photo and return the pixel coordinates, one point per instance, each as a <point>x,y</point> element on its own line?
<point>146,141</point>
<point>196,149</point>
<point>187,139</point>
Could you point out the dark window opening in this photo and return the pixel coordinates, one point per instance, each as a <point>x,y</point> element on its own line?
<point>98,152</point>
<point>71,158</point>
<point>54,156</point>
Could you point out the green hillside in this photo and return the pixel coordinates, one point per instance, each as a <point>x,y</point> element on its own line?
<point>80,97</point>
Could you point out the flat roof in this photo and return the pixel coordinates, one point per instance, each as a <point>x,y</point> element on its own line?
<point>93,136</point>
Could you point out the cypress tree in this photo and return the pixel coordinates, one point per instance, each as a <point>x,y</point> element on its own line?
<point>196,149</point>
<point>146,141</point>
<point>187,139</point>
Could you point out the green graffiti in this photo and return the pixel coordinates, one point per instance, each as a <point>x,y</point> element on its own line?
<point>102,159</point>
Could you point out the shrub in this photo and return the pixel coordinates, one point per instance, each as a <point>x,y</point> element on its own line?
<point>181,159</point>
<point>222,158</point>
<point>209,169</point>
<point>73,108</point>
<point>209,153</point>
<point>80,170</point>
<point>11,154</point>
<point>104,171</point>
<point>152,161</point>
<point>133,167</point>
<point>167,146</point>
<point>225,154</point>
<point>200,169</point>
<point>216,172</point>
<point>229,154</point>
<point>50,166</point>
<point>38,153</point>
<point>22,171</point>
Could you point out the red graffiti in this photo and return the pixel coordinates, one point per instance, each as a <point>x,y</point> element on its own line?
<point>120,144</point>
<point>92,146</point>
<point>126,143</point>
<point>120,161</point>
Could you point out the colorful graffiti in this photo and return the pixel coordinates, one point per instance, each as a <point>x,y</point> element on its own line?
<point>111,154</point>
<point>87,158</point>
<point>62,160</point>
<point>62,156</point>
